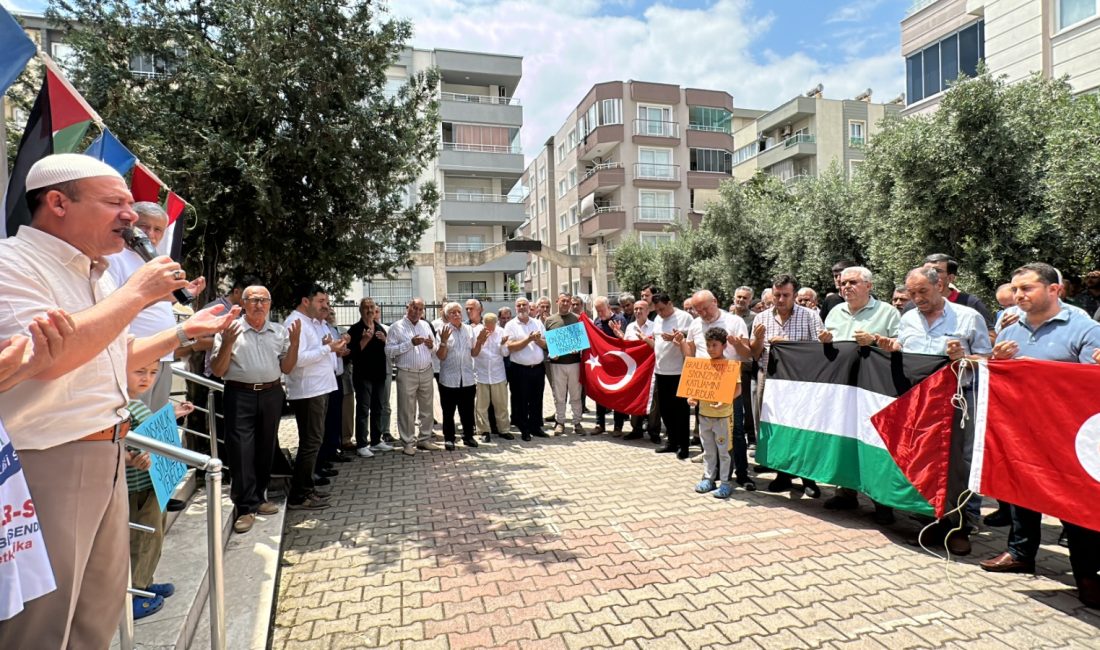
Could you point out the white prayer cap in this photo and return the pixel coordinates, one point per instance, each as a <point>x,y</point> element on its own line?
<point>65,167</point>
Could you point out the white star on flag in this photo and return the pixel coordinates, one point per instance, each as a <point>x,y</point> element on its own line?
<point>593,362</point>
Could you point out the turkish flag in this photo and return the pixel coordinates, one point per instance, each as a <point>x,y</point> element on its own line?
<point>1036,433</point>
<point>617,374</point>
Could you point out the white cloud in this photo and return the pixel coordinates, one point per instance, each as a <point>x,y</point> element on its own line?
<point>853,12</point>
<point>567,47</point>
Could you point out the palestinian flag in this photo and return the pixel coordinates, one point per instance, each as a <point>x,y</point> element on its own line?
<point>815,420</point>
<point>57,124</point>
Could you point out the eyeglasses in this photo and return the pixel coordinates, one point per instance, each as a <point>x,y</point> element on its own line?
<point>258,301</point>
<point>847,283</point>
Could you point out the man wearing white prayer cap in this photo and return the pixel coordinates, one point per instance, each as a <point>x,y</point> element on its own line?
<point>68,421</point>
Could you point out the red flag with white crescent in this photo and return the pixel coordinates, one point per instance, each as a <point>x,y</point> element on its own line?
<point>616,373</point>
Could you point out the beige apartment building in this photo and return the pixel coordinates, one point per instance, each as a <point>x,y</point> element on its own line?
<point>940,39</point>
<point>632,159</point>
<point>807,134</point>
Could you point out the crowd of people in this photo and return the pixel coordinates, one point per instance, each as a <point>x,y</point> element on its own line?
<point>89,331</point>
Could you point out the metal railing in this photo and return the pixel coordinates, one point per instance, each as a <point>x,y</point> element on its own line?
<point>479,198</point>
<point>471,247</point>
<point>600,209</point>
<point>856,141</point>
<point>657,128</point>
<point>479,99</point>
<point>211,412</point>
<point>214,541</point>
<point>656,172</point>
<point>799,138</point>
<point>592,171</point>
<point>500,296</point>
<point>710,129</point>
<point>659,214</point>
<point>481,148</point>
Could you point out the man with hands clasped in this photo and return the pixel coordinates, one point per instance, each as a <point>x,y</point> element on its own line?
<point>409,344</point>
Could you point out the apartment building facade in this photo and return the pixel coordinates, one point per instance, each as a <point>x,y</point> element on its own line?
<point>806,135</point>
<point>632,159</point>
<point>941,39</point>
<point>477,173</point>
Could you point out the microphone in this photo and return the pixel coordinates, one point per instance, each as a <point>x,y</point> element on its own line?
<point>139,242</point>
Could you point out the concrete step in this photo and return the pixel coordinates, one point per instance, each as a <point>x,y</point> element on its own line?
<point>251,579</point>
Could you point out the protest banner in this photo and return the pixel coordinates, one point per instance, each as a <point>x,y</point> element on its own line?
<point>566,340</point>
<point>25,571</point>
<point>709,380</point>
<point>165,472</point>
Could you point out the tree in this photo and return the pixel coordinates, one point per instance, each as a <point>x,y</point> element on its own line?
<point>271,119</point>
<point>635,265</point>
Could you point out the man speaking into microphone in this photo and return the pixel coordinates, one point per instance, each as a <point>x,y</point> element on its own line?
<point>68,421</point>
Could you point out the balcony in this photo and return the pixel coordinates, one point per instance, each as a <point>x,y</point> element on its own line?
<point>602,178</point>
<point>856,143</point>
<point>797,146</point>
<point>656,175</point>
<point>798,139</point>
<point>657,214</point>
<point>484,159</point>
<point>599,142</point>
<point>709,138</point>
<point>607,220</point>
<point>656,132</point>
<point>481,209</point>
<point>480,109</point>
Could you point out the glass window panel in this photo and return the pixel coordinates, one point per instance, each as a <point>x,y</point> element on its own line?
<point>949,59</point>
<point>932,70</point>
<point>1074,11</point>
<point>969,51</point>
<point>914,77</point>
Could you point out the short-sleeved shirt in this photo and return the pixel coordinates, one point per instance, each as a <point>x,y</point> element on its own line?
<point>39,272</point>
<point>732,324</point>
<point>802,325</point>
<point>957,322</point>
<point>531,354</point>
<point>256,353</point>
<point>563,320</point>
<point>636,332</point>
<point>670,359</point>
<point>1069,336</point>
<point>876,317</point>
<point>605,325</point>
<point>489,362</point>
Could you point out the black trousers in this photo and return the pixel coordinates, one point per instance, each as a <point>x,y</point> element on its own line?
<point>528,385</point>
<point>368,410</point>
<point>513,397</point>
<point>309,413</point>
<point>1084,544</point>
<point>675,412</point>
<point>463,399</point>
<point>251,431</point>
<point>746,402</point>
<point>334,425</point>
<point>601,417</point>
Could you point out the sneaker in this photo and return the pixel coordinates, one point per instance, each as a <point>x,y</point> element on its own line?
<point>428,446</point>
<point>469,441</point>
<point>578,430</point>
<point>697,458</point>
<point>145,606</point>
<point>409,450</point>
<point>505,435</point>
<point>704,486</point>
<point>267,508</point>
<point>559,429</point>
<point>311,502</point>
<point>163,589</point>
<point>724,492</point>
<point>364,452</point>
<point>486,437</point>
<point>382,446</point>
<point>244,523</point>
<point>449,445</point>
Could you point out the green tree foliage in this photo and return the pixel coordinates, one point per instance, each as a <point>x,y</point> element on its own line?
<point>635,265</point>
<point>270,119</point>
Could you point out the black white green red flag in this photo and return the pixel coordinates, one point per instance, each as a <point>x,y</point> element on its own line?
<point>815,418</point>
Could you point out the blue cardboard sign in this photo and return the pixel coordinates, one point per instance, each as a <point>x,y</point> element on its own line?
<point>566,340</point>
<point>165,472</point>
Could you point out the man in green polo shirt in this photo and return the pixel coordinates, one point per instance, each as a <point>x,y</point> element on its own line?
<point>860,318</point>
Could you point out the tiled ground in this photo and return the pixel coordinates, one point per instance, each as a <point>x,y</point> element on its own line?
<point>594,542</point>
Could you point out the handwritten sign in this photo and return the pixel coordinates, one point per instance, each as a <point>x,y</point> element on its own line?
<point>566,340</point>
<point>709,380</point>
<point>25,571</point>
<point>165,472</point>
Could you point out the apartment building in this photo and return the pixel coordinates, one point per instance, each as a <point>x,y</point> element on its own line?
<point>941,39</point>
<point>632,159</point>
<point>477,172</point>
<point>807,134</point>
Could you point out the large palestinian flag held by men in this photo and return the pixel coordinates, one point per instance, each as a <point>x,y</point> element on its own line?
<point>815,419</point>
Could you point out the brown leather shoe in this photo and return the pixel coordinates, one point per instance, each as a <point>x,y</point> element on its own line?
<point>1088,590</point>
<point>1005,563</point>
<point>268,508</point>
<point>244,523</point>
<point>959,544</point>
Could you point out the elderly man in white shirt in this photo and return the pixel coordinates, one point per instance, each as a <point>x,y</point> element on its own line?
<point>457,385</point>
<point>410,343</point>
<point>527,349</point>
<point>490,349</point>
<point>307,389</point>
<point>641,329</point>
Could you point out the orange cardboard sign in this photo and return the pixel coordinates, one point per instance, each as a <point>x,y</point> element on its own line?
<point>709,380</point>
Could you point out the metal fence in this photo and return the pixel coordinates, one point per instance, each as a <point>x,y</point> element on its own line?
<point>347,313</point>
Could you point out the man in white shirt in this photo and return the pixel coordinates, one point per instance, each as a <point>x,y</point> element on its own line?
<point>457,386</point>
<point>670,329</point>
<point>410,343</point>
<point>158,316</point>
<point>489,352</point>
<point>527,349</point>
<point>641,329</point>
<point>307,388</point>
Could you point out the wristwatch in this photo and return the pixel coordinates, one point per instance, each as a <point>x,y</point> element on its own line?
<point>181,336</point>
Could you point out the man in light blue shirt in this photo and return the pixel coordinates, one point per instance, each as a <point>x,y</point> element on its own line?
<point>937,325</point>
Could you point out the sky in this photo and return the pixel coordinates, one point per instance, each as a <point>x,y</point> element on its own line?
<point>763,52</point>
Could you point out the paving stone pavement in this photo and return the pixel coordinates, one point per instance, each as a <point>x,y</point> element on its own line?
<point>578,542</point>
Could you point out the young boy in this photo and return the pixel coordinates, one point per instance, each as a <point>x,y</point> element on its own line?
<point>145,547</point>
<point>716,428</point>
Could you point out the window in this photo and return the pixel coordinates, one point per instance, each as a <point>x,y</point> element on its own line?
<point>476,137</point>
<point>1074,11</point>
<point>746,152</point>
<point>855,133</point>
<point>704,118</point>
<point>574,249</point>
<point>711,160</point>
<point>563,187</point>
<point>392,87</point>
<point>573,215</point>
<point>64,55</point>
<point>544,266</point>
<point>655,163</point>
<point>561,152</point>
<point>391,291</point>
<point>573,177</point>
<point>655,120</point>
<point>931,70</point>
<point>655,205</point>
<point>654,239</point>
<point>572,139</point>
<point>590,119</point>
<point>542,172</point>
<point>542,204</point>
<point>475,288</point>
<point>563,222</point>
<point>542,236</point>
<point>611,111</point>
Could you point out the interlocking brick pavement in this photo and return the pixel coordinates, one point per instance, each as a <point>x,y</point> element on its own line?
<point>577,542</point>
